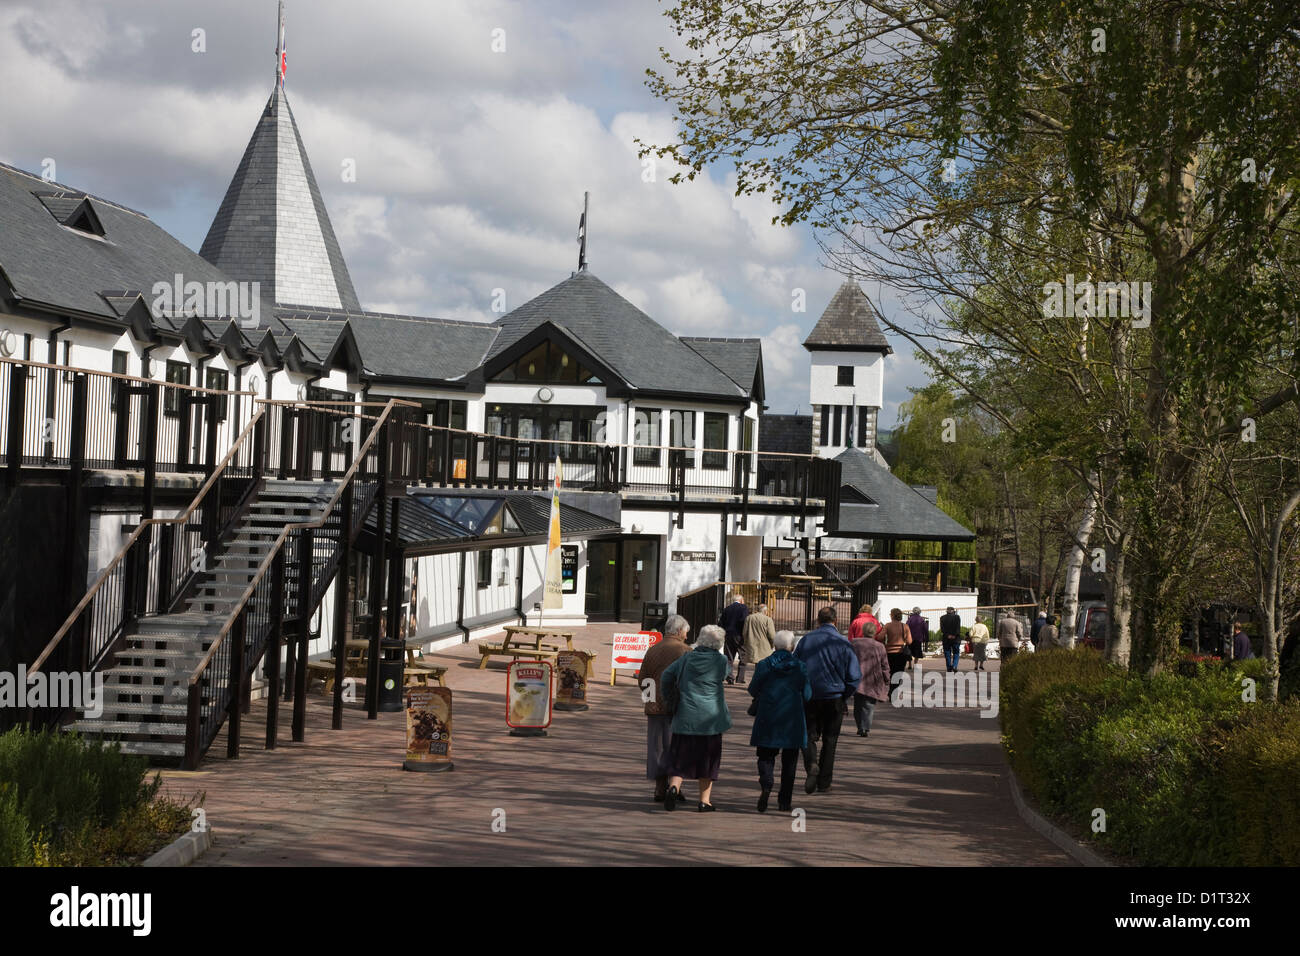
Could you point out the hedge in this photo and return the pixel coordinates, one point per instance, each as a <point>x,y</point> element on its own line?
<point>1186,772</point>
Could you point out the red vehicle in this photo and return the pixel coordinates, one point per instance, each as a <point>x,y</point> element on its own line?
<point>1090,625</point>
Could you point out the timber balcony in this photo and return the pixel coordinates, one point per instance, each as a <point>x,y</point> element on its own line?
<point>674,479</point>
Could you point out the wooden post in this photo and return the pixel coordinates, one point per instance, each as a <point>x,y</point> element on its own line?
<point>235,686</point>
<point>17,410</point>
<point>273,650</point>
<point>342,605</point>
<point>304,619</point>
<point>377,577</point>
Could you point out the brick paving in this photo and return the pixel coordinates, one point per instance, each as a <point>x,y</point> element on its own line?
<point>927,787</point>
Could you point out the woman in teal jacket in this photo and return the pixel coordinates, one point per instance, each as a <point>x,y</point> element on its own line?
<point>692,687</point>
<point>780,687</point>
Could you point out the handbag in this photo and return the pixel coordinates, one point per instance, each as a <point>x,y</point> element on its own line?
<point>968,650</point>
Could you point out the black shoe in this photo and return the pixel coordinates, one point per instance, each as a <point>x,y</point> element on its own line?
<point>730,680</point>
<point>784,807</point>
<point>810,784</point>
<point>825,789</point>
<point>706,808</point>
<point>739,682</point>
<point>762,801</point>
<point>671,798</point>
<point>862,733</point>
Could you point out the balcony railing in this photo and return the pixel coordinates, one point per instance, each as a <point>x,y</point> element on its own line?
<point>54,416</point>
<point>451,457</point>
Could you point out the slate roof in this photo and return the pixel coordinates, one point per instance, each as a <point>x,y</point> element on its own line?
<point>740,359</point>
<point>644,354</point>
<point>63,269</point>
<point>848,324</point>
<point>272,226</point>
<point>899,512</point>
<point>785,434</point>
<point>401,346</point>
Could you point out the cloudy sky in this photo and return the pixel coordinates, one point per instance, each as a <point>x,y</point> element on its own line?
<point>470,163</point>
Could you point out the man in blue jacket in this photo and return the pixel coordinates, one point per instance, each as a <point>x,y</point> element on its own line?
<point>834,673</point>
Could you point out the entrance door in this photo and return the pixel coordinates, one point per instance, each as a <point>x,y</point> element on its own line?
<point>602,579</point>
<point>622,573</point>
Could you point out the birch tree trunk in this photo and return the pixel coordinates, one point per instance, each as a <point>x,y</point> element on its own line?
<point>1074,566</point>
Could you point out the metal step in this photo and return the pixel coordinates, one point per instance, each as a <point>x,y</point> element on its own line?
<point>146,729</point>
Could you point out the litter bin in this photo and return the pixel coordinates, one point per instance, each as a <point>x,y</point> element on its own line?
<point>653,615</point>
<point>392,662</point>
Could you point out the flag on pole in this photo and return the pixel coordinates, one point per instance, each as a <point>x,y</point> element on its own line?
<point>553,593</point>
<point>282,56</point>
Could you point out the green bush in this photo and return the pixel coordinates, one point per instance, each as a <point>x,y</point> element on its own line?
<point>1167,758</point>
<point>64,782</point>
<point>15,836</point>
<point>1260,766</point>
<point>63,789</point>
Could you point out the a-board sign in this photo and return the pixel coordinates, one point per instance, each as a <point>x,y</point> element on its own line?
<point>528,694</point>
<point>428,728</point>
<point>571,680</point>
<point>629,649</point>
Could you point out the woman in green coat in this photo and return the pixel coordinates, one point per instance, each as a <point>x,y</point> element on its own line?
<point>693,686</point>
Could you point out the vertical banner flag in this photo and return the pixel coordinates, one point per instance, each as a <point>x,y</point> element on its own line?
<point>553,590</point>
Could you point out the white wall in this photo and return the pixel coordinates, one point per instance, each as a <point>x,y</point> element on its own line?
<point>868,380</point>
<point>933,604</point>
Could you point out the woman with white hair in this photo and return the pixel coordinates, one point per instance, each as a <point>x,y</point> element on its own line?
<point>780,688</point>
<point>692,687</point>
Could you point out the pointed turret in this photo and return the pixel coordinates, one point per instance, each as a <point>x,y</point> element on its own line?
<point>846,389</point>
<point>272,226</point>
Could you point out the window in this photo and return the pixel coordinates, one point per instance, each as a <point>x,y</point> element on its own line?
<point>865,435</point>
<point>547,363</point>
<point>836,418</point>
<point>844,375</point>
<point>715,437</point>
<point>645,431</point>
<point>177,373</point>
<point>484,576</point>
<point>747,442</point>
<point>826,426</point>
<point>552,423</point>
<point>681,433</point>
<point>219,380</point>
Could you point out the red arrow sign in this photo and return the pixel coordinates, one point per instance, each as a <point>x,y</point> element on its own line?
<point>628,660</point>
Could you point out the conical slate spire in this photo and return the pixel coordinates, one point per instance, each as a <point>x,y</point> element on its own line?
<point>848,325</point>
<point>272,226</point>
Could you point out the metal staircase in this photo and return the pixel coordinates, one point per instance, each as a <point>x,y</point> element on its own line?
<point>145,692</point>
<point>179,620</point>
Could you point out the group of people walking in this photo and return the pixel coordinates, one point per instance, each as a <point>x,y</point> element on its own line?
<point>800,691</point>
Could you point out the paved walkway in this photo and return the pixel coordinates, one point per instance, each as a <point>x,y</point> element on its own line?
<point>927,787</point>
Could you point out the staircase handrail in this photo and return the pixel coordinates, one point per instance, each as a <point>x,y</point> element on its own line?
<point>344,482</point>
<point>144,525</point>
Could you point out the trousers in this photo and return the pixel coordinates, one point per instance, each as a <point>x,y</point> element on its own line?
<point>767,771</point>
<point>825,717</point>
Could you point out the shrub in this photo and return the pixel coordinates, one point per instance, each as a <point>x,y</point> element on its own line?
<point>1260,771</point>
<point>1185,770</point>
<point>64,782</point>
<point>15,836</point>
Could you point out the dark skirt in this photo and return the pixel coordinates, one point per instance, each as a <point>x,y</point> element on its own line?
<point>898,661</point>
<point>695,756</point>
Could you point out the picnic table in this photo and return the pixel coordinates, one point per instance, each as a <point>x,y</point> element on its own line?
<point>527,642</point>
<point>356,658</point>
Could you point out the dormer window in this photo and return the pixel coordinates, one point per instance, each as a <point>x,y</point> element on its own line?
<point>85,219</point>
<point>547,363</point>
<point>844,375</point>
